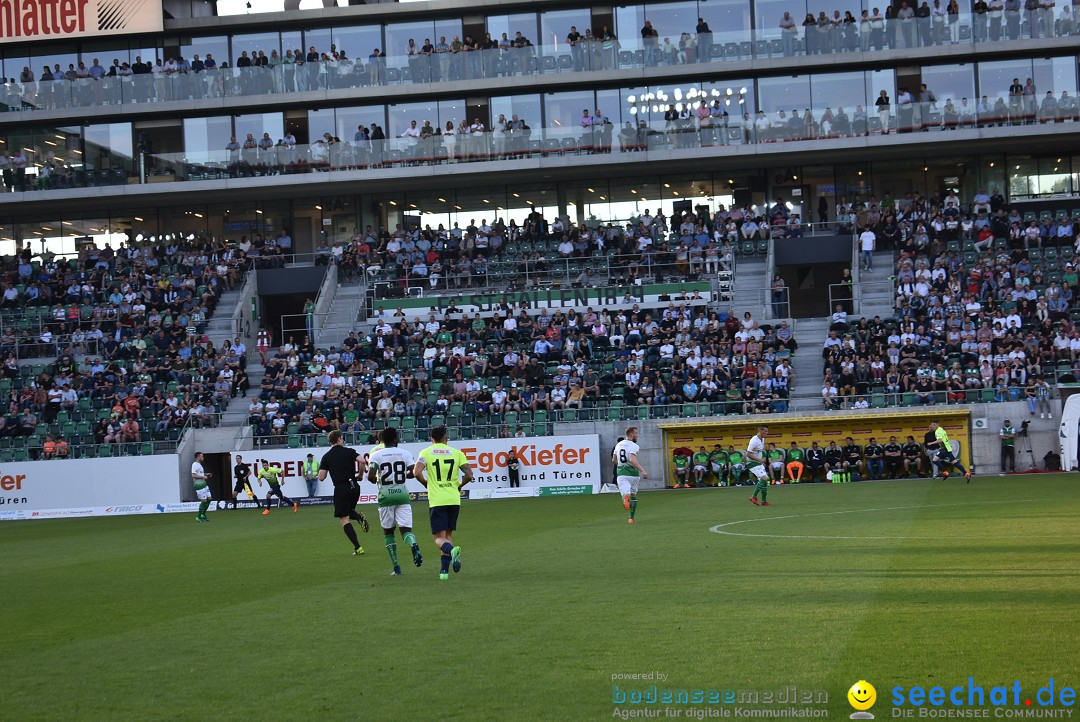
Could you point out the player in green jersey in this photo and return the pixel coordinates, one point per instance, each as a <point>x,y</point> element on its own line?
<point>388,469</point>
<point>736,466</point>
<point>795,465</point>
<point>272,476</point>
<point>776,460</point>
<point>718,463</point>
<point>682,470</point>
<point>444,470</point>
<point>701,466</point>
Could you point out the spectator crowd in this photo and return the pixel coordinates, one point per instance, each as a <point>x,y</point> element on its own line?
<point>985,305</point>
<point>136,316</point>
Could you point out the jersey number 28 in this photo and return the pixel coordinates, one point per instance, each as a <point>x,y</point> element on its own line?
<point>392,473</point>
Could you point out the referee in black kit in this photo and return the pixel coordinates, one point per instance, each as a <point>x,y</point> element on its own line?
<point>340,463</point>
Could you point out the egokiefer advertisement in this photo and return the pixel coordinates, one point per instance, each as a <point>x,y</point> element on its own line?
<point>548,466</point>
<point>118,484</point>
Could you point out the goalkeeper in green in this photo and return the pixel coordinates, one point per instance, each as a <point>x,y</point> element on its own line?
<point>944,460</point>
<point>272,476</point>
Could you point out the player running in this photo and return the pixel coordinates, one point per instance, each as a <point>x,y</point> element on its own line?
<point>945,458</point>
<point>242,475</point>
<point>272,476</point>
<point>628,470</point>
<point>755,457</point>
<point>199,477</point>
<point>446,465</point>
<point>388,468</point>
<point>340,464</point>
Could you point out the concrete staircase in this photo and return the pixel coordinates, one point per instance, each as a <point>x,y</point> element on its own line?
<point>750,289</point>
<point>220,326</point>
<point>343,315</point>
<point>810,334</point>
<point>876,289</point>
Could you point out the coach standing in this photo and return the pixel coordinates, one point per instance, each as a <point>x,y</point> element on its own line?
<point>1008,446</point>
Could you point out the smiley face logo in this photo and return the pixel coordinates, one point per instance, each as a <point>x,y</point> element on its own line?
<point>862,696</point>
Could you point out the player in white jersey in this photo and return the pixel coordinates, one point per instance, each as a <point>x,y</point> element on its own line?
<point>388,468</point>
<point>628,471</point>
<point>200,477</point>
<point>755,462</point>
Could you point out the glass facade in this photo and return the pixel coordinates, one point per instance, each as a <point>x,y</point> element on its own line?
<point>669,116</point>
<point>354,55</point>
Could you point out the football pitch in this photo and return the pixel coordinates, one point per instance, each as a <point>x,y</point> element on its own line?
<point>904,583</point>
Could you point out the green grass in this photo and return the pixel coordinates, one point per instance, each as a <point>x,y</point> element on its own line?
<point>252,617</point>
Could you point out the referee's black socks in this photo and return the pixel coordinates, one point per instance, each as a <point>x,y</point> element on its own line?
<point>351,533</point>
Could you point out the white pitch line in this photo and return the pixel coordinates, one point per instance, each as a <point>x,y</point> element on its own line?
<point>720,528</point>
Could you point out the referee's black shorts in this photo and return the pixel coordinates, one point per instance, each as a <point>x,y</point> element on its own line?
<point>444,518</point>
<point>239,485</point>
<point>345,500</point>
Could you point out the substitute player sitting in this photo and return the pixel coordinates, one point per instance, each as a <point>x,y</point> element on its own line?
<point>388,468</point>
<point>718,463</point>
<point>701,466</point>
<point>795,466</point>
<point>682,470</point>
<point>776,464</point>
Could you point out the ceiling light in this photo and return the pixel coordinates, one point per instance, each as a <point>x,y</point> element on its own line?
<point>138,219</point>
<point>393,203</point>
<point>442,200</point>
<point>590,190</point>
<point>257,211</point>
<point>318,208</point>
<point>199,215</point>
<point>633,191</point>
<point>517,196</point>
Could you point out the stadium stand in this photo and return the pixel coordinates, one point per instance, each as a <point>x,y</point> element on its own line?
<point>520,369</point>
<point>984,308</point>
<point>135,318</point>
